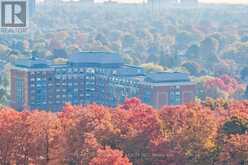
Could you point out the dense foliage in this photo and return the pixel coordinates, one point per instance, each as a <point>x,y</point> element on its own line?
<point>214,132</point>
<point>204,40</point>
<point>213,37</point>
<point>223,86</point>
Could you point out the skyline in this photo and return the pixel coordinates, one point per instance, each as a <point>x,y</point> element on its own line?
<point>225,1</point>
<point>202,1</point>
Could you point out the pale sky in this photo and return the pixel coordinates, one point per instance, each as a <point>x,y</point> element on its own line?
<point>226,1</point>
<point>205,1</point>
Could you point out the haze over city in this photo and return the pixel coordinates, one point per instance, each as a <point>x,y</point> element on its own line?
<point>203,1</point>
<point>226,1</point>
<point>130,83</point>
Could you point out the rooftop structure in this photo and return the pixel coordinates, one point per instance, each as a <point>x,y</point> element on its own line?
<point>96,59</point>
<point>93,77</point>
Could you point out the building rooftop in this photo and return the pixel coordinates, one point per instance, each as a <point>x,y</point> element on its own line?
<point>130,71</point>
<point>109,60</point>
<point>82,58</point>
<point>59,53</point>
<point>100,58</point>
<point>32,63</point>
<point>160,77</point>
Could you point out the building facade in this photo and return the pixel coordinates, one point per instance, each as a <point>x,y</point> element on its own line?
<point>93,77</point>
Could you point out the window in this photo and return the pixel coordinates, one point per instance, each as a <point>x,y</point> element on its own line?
<point>75,70</point>
<point>175,96</point>
<point>90,70</point>
<point>19,91</point>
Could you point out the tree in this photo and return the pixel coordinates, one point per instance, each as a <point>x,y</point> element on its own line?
<point>11,135</point>
<point>3,49</point>
<point>189,135</point>
<point>244,73</point>
<point>138,124</point>
<point>60,61</point>
<point>246,92</point>
<point>213,132</point>
<point>235,126</point>
<point>45,144</point>
<point>208,50</point>
<point>235,150</point>
<point>183,39</point>
<point>193,52</point>
<point>224,86</point>
<point>192,67</point>
<point>236,52</point>
<point>108,156</point>
<point>151,67</point>
<point>86,129</point>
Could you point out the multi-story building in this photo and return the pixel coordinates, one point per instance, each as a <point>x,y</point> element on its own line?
<point>93,77</point>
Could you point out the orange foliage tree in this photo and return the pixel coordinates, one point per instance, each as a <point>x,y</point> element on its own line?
<point>214,132</point>
<point>108,156</point>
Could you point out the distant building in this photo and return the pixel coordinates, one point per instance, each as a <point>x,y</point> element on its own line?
<point>246,92</point>
<point>93,77</point>
<point>87,1</point>
<point>162,1</point>
<point>59,53</point>
<point>189,2</point>
<point>32,7</point>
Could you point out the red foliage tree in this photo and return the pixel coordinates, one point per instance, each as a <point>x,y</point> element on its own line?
<point>189,135</point>
<point>12,135</point>
<point>109,157</point>
<point>85,130</point>
<point>211,133</point>
<point>224,86</point>
<point>235,150</point>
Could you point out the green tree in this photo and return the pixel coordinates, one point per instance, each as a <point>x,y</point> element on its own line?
<point>151,67</point>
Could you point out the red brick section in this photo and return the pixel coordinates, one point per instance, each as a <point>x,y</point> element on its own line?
<point>188,93</point>
<point>160,95</point>
<point>24,76</point>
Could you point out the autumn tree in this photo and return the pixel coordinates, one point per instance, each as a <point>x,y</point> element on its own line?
<point>235,126</point>
<point>211,132</point>
<point>138,124</point>
<point>235,150</point>
<point>47,136</point>
<point>108,156</point>
<point>12,135</point>
<point>86,129</point>
<point>189,132</point>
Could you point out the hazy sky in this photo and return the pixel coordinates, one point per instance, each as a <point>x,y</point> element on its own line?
<point>225,1</point>
<point>206,1</point>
